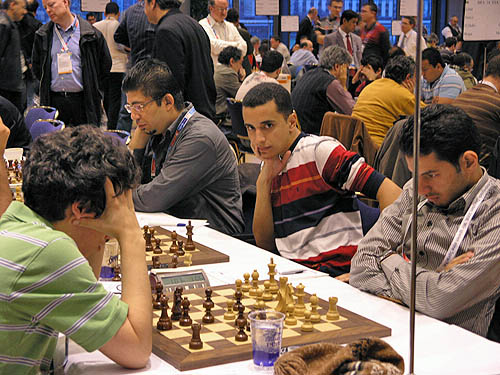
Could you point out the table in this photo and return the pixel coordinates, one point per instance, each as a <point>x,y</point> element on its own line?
<point>440,348</point>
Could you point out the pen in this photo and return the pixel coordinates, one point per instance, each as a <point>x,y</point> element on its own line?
<point>291,272</point>
<point>160,224</point>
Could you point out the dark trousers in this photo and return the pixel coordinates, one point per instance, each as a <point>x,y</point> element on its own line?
<point>16,98</point>
<point>71,107</point>
<point>124,120</point>
<point>112,86</point>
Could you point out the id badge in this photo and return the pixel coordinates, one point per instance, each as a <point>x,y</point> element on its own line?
<point>64,63</point>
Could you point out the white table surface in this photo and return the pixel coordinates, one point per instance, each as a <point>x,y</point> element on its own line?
<point>440,348</point>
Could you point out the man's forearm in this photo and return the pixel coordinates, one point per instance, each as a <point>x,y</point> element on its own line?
<point>263,227</point>
<point>5,193</point>
<point>387,193</point>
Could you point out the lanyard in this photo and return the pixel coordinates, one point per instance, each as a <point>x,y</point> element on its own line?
<point>63,43</point>
<point>181,126</point>
<point>462,229</point>
<point>213,29</point>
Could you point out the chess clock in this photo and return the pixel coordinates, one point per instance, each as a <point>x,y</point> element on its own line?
<point>191,279</point>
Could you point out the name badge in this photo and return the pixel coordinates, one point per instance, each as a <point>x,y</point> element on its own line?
<point>64,63</point>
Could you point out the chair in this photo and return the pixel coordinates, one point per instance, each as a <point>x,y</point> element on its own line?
<point>242,142</point>
<point>41,127</point>
<point>40,113</point>
<point>122,135</point>
<point>351,132</point>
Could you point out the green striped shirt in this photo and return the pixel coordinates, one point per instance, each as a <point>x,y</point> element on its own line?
<point>46,287</point>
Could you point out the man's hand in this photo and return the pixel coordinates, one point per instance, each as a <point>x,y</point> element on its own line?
<point>409,84</point>
<point>139,140</point>
<point>272,167</point>
<point>369,73</point>
<point>118,219</point>
<point>242,74</point>
<point>458,260</point>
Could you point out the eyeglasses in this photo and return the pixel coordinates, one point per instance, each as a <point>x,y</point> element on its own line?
<point>138,107</point>
<point>220,9</point>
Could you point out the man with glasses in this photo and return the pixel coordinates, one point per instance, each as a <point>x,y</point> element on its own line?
<point>408,38</point>
<point>222,34</point>
<point>188,167</point>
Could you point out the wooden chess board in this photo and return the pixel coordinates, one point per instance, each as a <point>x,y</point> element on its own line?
<point>219,344</point>
<point>201,255</point>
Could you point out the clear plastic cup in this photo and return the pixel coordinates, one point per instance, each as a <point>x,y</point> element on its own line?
<point>109,259</point>
<point>267,330</point>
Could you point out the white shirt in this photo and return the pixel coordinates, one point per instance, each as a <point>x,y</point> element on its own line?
<point>222,34</point>
<point>410,43</point>
<point>108,27</point>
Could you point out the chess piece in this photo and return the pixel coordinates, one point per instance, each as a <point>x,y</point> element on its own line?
<point>259,302</point>
<point>240,308</point>
<point>145,230</point>
<point>180,251</point>
<point>238,284</point>
<point>196,342</point>
<point>315,317</point>
<point>164,323</point>
<point>156,261</point>
<point>208,305</point>
<point>229,314</point>
<point>255,283</point>
<point>246,286</point>
<point>116,271</point>
<point>188,259</point>
<point>290,319</point>
<point>159,292</point>
<point>175,261</point>
<point>282,295</point>
<point>174,247</point>
<point>185,320</point>
<point>267,296</point>
<point>300,307</point>
<point>176,308</point>
<point>157,249</point>
<point>332,313</point>
<point>241,323</point>
<point>272,272</point>
<point>147,237</point>
<point>238,295</point>
<point>307,326</point>
<point>289,294</point>
<point>189,243</point>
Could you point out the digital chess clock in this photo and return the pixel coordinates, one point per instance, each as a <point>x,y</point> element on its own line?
<point>170,279</point>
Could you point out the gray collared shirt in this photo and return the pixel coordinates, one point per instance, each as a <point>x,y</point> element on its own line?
<point>466,294</point>
<point>69,82</point>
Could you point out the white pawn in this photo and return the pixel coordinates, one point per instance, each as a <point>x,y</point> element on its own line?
<point>332,313</point>
<point>246,286</point>
<point>290,319</point>
<point>267,296</point>
<point>255,283</point>
<point>315,317</point>
<point>307,326</point>
<point>229,314</point>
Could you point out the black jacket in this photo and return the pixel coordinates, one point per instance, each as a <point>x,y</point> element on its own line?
<point>96,63</point>
<point>182,43</point>
<point>11,77</point>
<point>12,118</point>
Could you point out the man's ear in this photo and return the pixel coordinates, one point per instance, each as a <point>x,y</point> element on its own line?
<point>469,160</point>
<point>292,121</point>
<point>168,99</point>
<point>77,211</point>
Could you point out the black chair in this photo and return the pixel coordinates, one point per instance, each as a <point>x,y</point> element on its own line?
<point>240,139</point>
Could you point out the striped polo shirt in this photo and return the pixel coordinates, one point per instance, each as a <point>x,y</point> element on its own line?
<point>46,287</point>
<point>315,212</point>
<point>448,85</point>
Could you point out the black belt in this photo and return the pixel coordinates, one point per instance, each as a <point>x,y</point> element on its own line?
<point>66,94</point>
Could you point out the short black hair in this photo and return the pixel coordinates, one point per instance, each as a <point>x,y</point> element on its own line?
<point>264,47</point>
<point>227,53</point>
<point>493,67</point>
<point>411,19</point>
<point>348,15</point>
<point>373,7</point>
<point>71,166</point>
<point>232,15</point>
<point>111,8</point>
<point>266,92</point>
<point>271,60</point>
<point>32,6</point>
<point>375,61</point>
<point>462,59</point>
<point>154,79</point>
<point>445,130</point>
<point>167,4</point>
<point>433,56</point>
<point>276,37</point>
<point>399,67</point>
<point>450,41</point>
<point>90,14</point>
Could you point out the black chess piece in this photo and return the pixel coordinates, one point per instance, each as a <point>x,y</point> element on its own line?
<point>175,261</point>
<point>240,308</point>
<point>174,247</point>
<point>164,323</point>
<point>185,320</point>
<point>116,272</point>
<point>196,342</point>
<point>238,295</point>
<point>189,243</point>
<point>157,249</point>
<point>176,308</point>
<point>241,323</point>
<point>208,317</point>
<point>180,251</point>
<point>147,237</point>
<point>159,292</point>
<point>156,261</point>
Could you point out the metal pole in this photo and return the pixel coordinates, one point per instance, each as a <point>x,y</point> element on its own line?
<point>416,155</point>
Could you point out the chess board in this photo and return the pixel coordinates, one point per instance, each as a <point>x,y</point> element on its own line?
<point>201,255</point>
<point>219,344</point>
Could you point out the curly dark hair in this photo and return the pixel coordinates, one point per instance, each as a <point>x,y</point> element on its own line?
<point>446,130</point>
<point>227,53</point>
<point>399,67</point>
<point>71,166</point>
